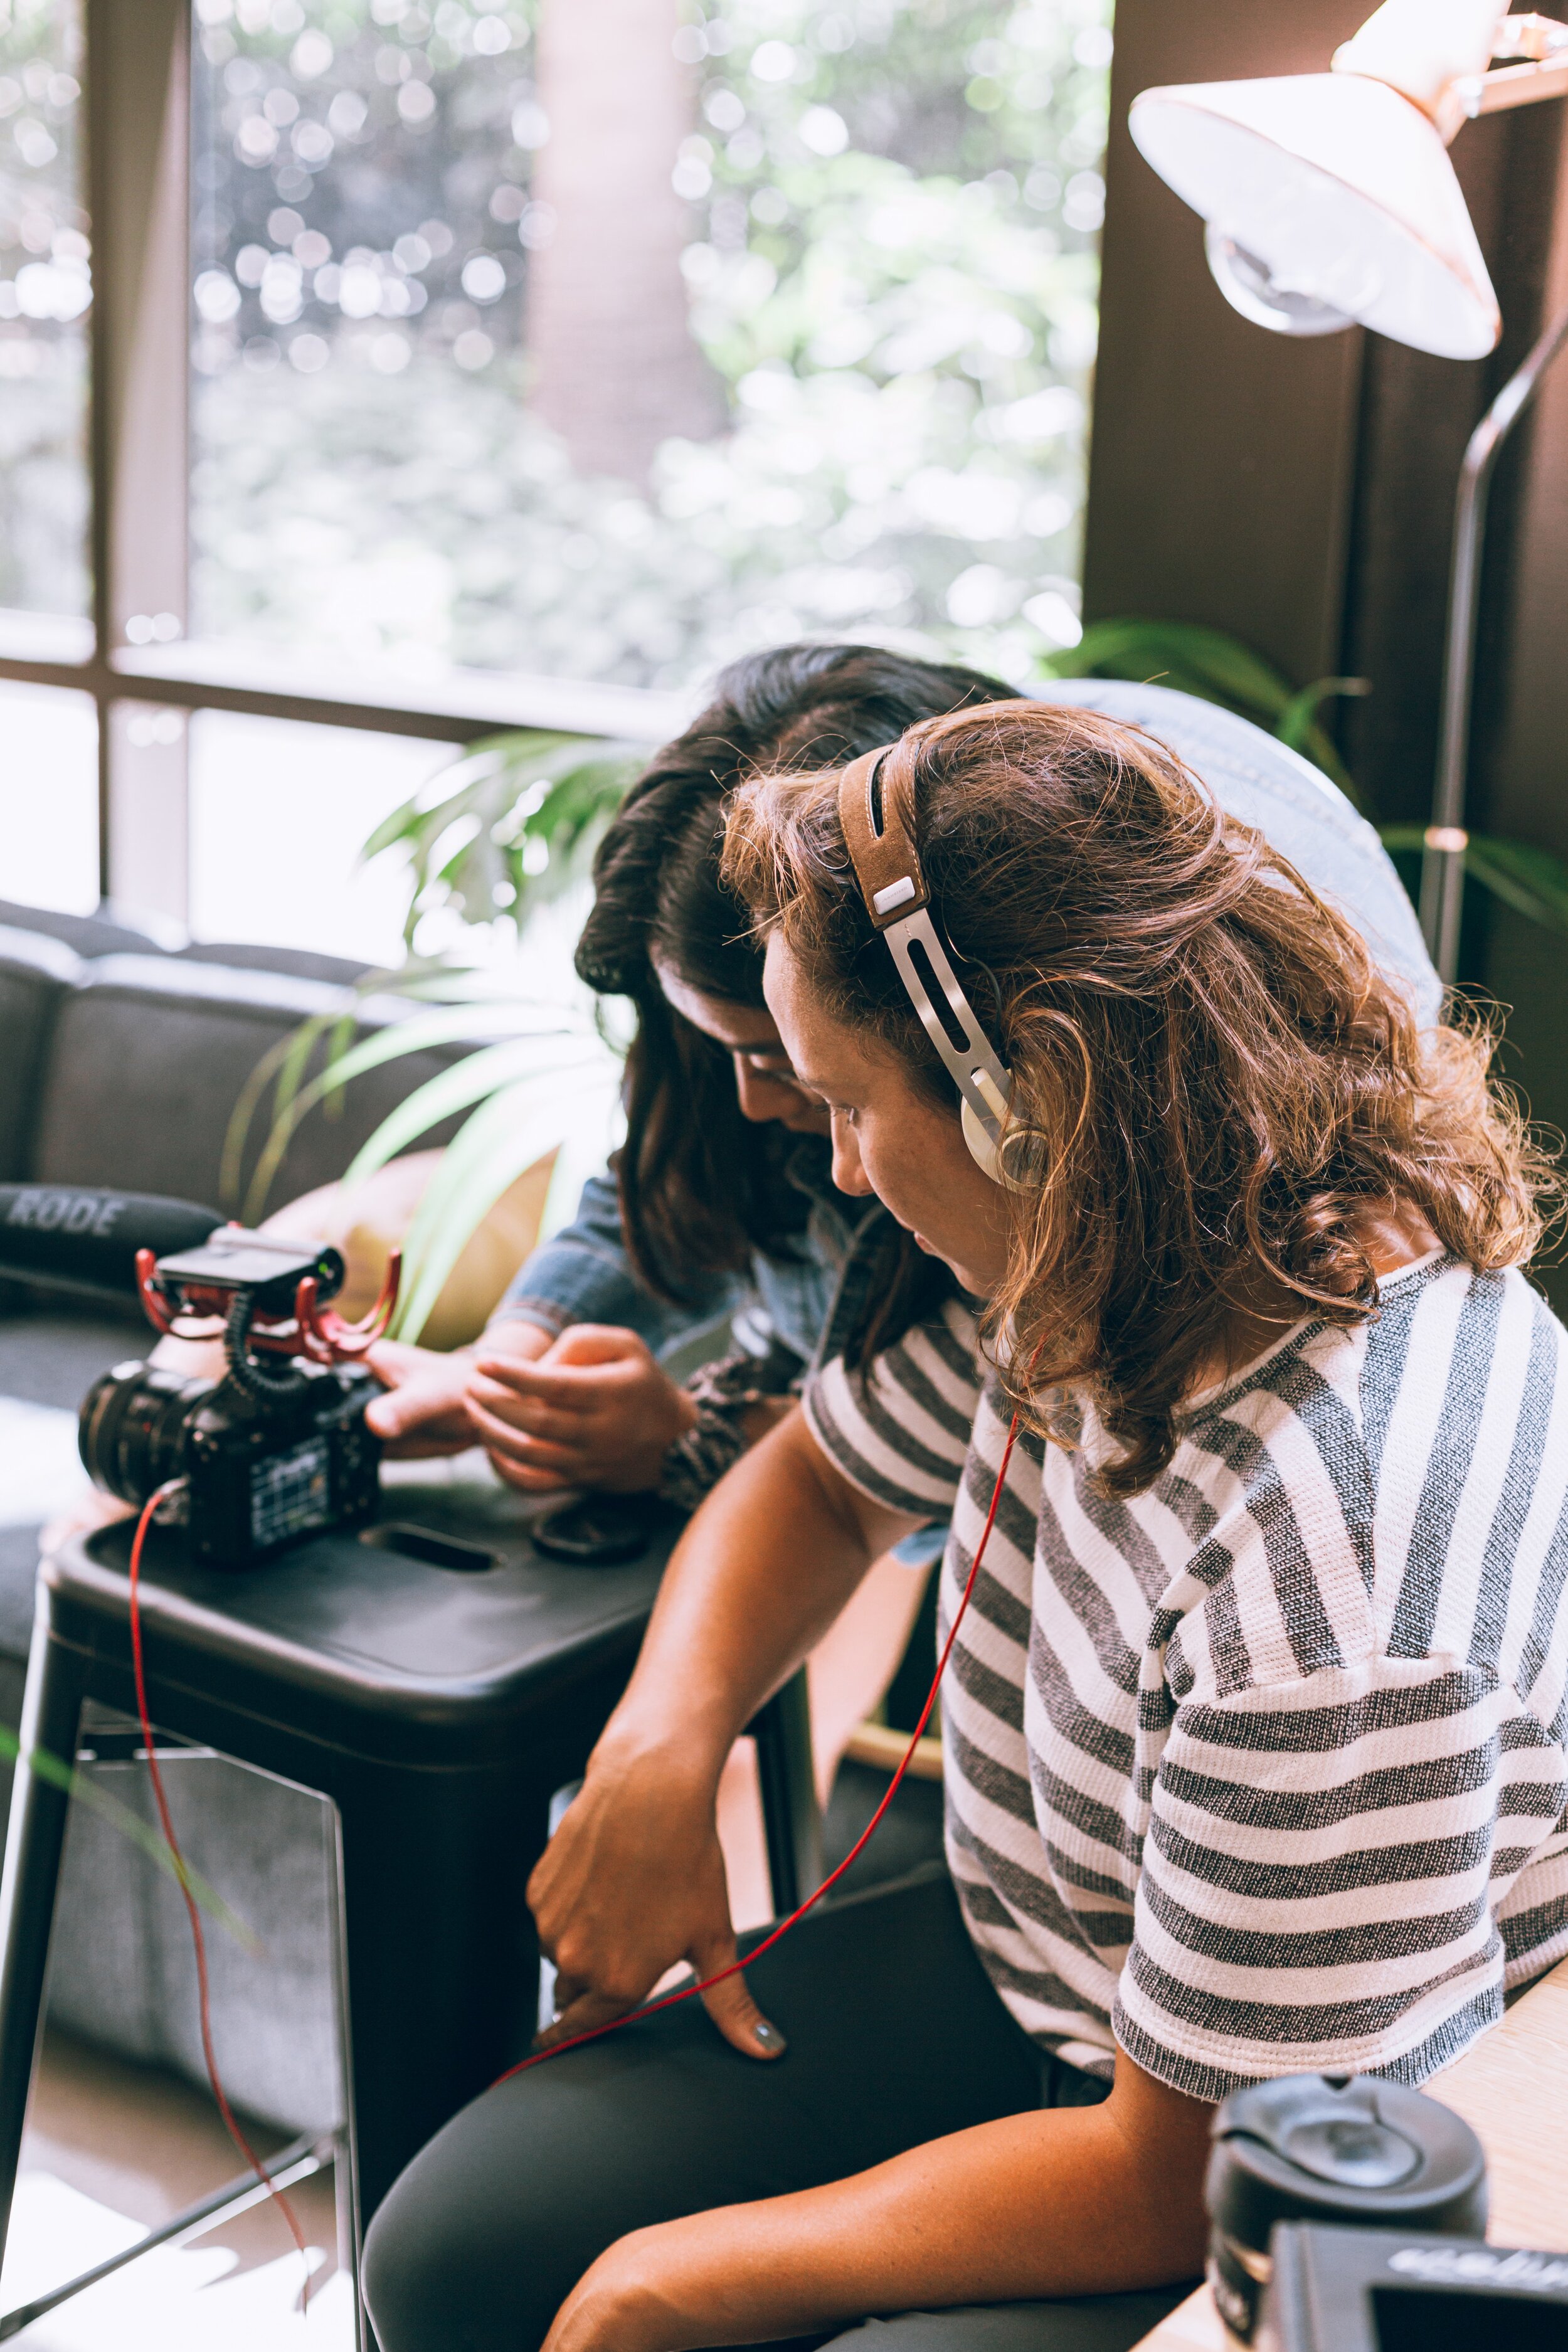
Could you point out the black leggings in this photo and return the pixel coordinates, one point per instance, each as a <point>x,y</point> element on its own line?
<point>895,2037</point>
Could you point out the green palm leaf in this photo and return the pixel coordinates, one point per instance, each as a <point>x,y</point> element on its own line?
<point>284,1064</point>
<point>1217,668</point>
<point>388,1044</point>
<point>509,826</point>
<point>1531,881</point>
<point>1298,722</point>
<point>508,1133</point>
<point>473,1080</point>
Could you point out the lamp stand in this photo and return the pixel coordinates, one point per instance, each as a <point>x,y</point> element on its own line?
<point>1443,861</point>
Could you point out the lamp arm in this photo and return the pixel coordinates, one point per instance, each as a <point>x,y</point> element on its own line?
<point>1424,48</point>
<point>1542,42</point>
<point>1443,863</point>
<point>1436,53</point>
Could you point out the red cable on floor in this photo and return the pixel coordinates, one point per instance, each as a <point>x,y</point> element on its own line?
<point>197,1937</point>
<point>575,2041</point>
<point>691,1991</point>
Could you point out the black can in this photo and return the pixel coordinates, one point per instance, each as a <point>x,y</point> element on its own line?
<point>1331,2147</point>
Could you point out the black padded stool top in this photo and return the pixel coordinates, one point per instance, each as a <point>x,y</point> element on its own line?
<point>425,1639</point>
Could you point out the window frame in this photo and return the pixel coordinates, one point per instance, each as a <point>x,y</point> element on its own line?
<point>136,83</point>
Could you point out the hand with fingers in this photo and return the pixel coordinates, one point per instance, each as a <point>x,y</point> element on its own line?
<point>423,1410</point>
<point>594,1409</point>
<point>632,1884</point>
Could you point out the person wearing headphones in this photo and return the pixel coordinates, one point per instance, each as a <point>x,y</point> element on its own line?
<point>719,1203</point>
<point>1255,1726</point>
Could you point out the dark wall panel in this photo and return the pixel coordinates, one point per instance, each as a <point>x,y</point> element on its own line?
<point>1300,494</point>
<point>1223,461</point>
<point>1524,756</point>
<point>1418,414</point>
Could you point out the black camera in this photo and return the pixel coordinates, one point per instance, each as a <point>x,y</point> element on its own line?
<point>274,1450</point>
<point>260,1473</point>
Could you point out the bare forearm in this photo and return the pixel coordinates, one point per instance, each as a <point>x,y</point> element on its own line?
<point>1031,2207</point>
<point>634,1880</point>
<point>760,1574</point>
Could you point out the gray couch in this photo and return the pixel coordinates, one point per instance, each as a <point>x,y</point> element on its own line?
<point>120,1059</point>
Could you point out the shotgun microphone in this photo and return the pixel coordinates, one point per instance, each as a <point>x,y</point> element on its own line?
<point>85,1237</point>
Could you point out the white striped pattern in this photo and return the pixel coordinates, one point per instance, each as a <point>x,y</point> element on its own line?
<point>1265,1769</point>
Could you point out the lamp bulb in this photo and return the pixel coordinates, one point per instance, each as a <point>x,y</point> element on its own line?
<point>1249,287</point>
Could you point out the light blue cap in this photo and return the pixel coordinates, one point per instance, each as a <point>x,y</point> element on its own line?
<point>1293,805</point>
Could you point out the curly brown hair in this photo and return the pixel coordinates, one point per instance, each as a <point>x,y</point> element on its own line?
<point>1227,1084</point>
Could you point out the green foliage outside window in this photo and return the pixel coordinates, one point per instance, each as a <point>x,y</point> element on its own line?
<point>885,286</point>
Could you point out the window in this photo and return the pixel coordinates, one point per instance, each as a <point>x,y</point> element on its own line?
<point>262,789</point>
<point>50,839</point>
<point>578,338</point>
<point>44,290</point>
<point>542,355</point>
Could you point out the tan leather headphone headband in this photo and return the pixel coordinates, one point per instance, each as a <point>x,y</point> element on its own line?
<point>887,862</point>
<point>887,865</point>
<point>880,784</point>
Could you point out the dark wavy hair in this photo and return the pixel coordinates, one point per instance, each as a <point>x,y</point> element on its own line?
<point>1224,1082</point>
<point>700,1185</point>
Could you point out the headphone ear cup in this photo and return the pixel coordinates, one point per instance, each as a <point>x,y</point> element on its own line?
<point>1024,1154</point>
<point>982,1149</point>
<point>1016,1163</point>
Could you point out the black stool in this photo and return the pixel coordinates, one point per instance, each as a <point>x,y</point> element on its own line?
<point>438,1679</point>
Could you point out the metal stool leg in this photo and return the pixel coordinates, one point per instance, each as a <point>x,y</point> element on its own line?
<point>792,1818</point>
<point>443,1969</point>
<point>51,1711</point>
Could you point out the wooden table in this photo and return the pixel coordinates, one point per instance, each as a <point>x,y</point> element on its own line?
<point>1512,2087</point>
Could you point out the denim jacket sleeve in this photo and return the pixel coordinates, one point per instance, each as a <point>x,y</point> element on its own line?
<point>582,1275</point>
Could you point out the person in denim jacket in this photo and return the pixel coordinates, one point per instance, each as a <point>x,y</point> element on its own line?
<point>720,1210</point>
<point>721,1206</point>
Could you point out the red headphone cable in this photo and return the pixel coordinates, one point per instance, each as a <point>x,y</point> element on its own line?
<point>574,2042</point>
<point>198,1939</point>
<point>691,1991</point>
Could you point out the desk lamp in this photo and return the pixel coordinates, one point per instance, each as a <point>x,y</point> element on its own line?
<point>1330,202</point>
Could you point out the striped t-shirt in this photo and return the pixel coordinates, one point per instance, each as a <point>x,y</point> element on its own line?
<point>1265,1769</point>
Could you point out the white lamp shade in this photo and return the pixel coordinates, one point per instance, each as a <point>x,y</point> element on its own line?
<point>1341,188</point>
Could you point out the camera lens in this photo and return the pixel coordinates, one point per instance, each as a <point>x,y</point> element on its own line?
<point>131,1433</point>
<point>1340,2148</point>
